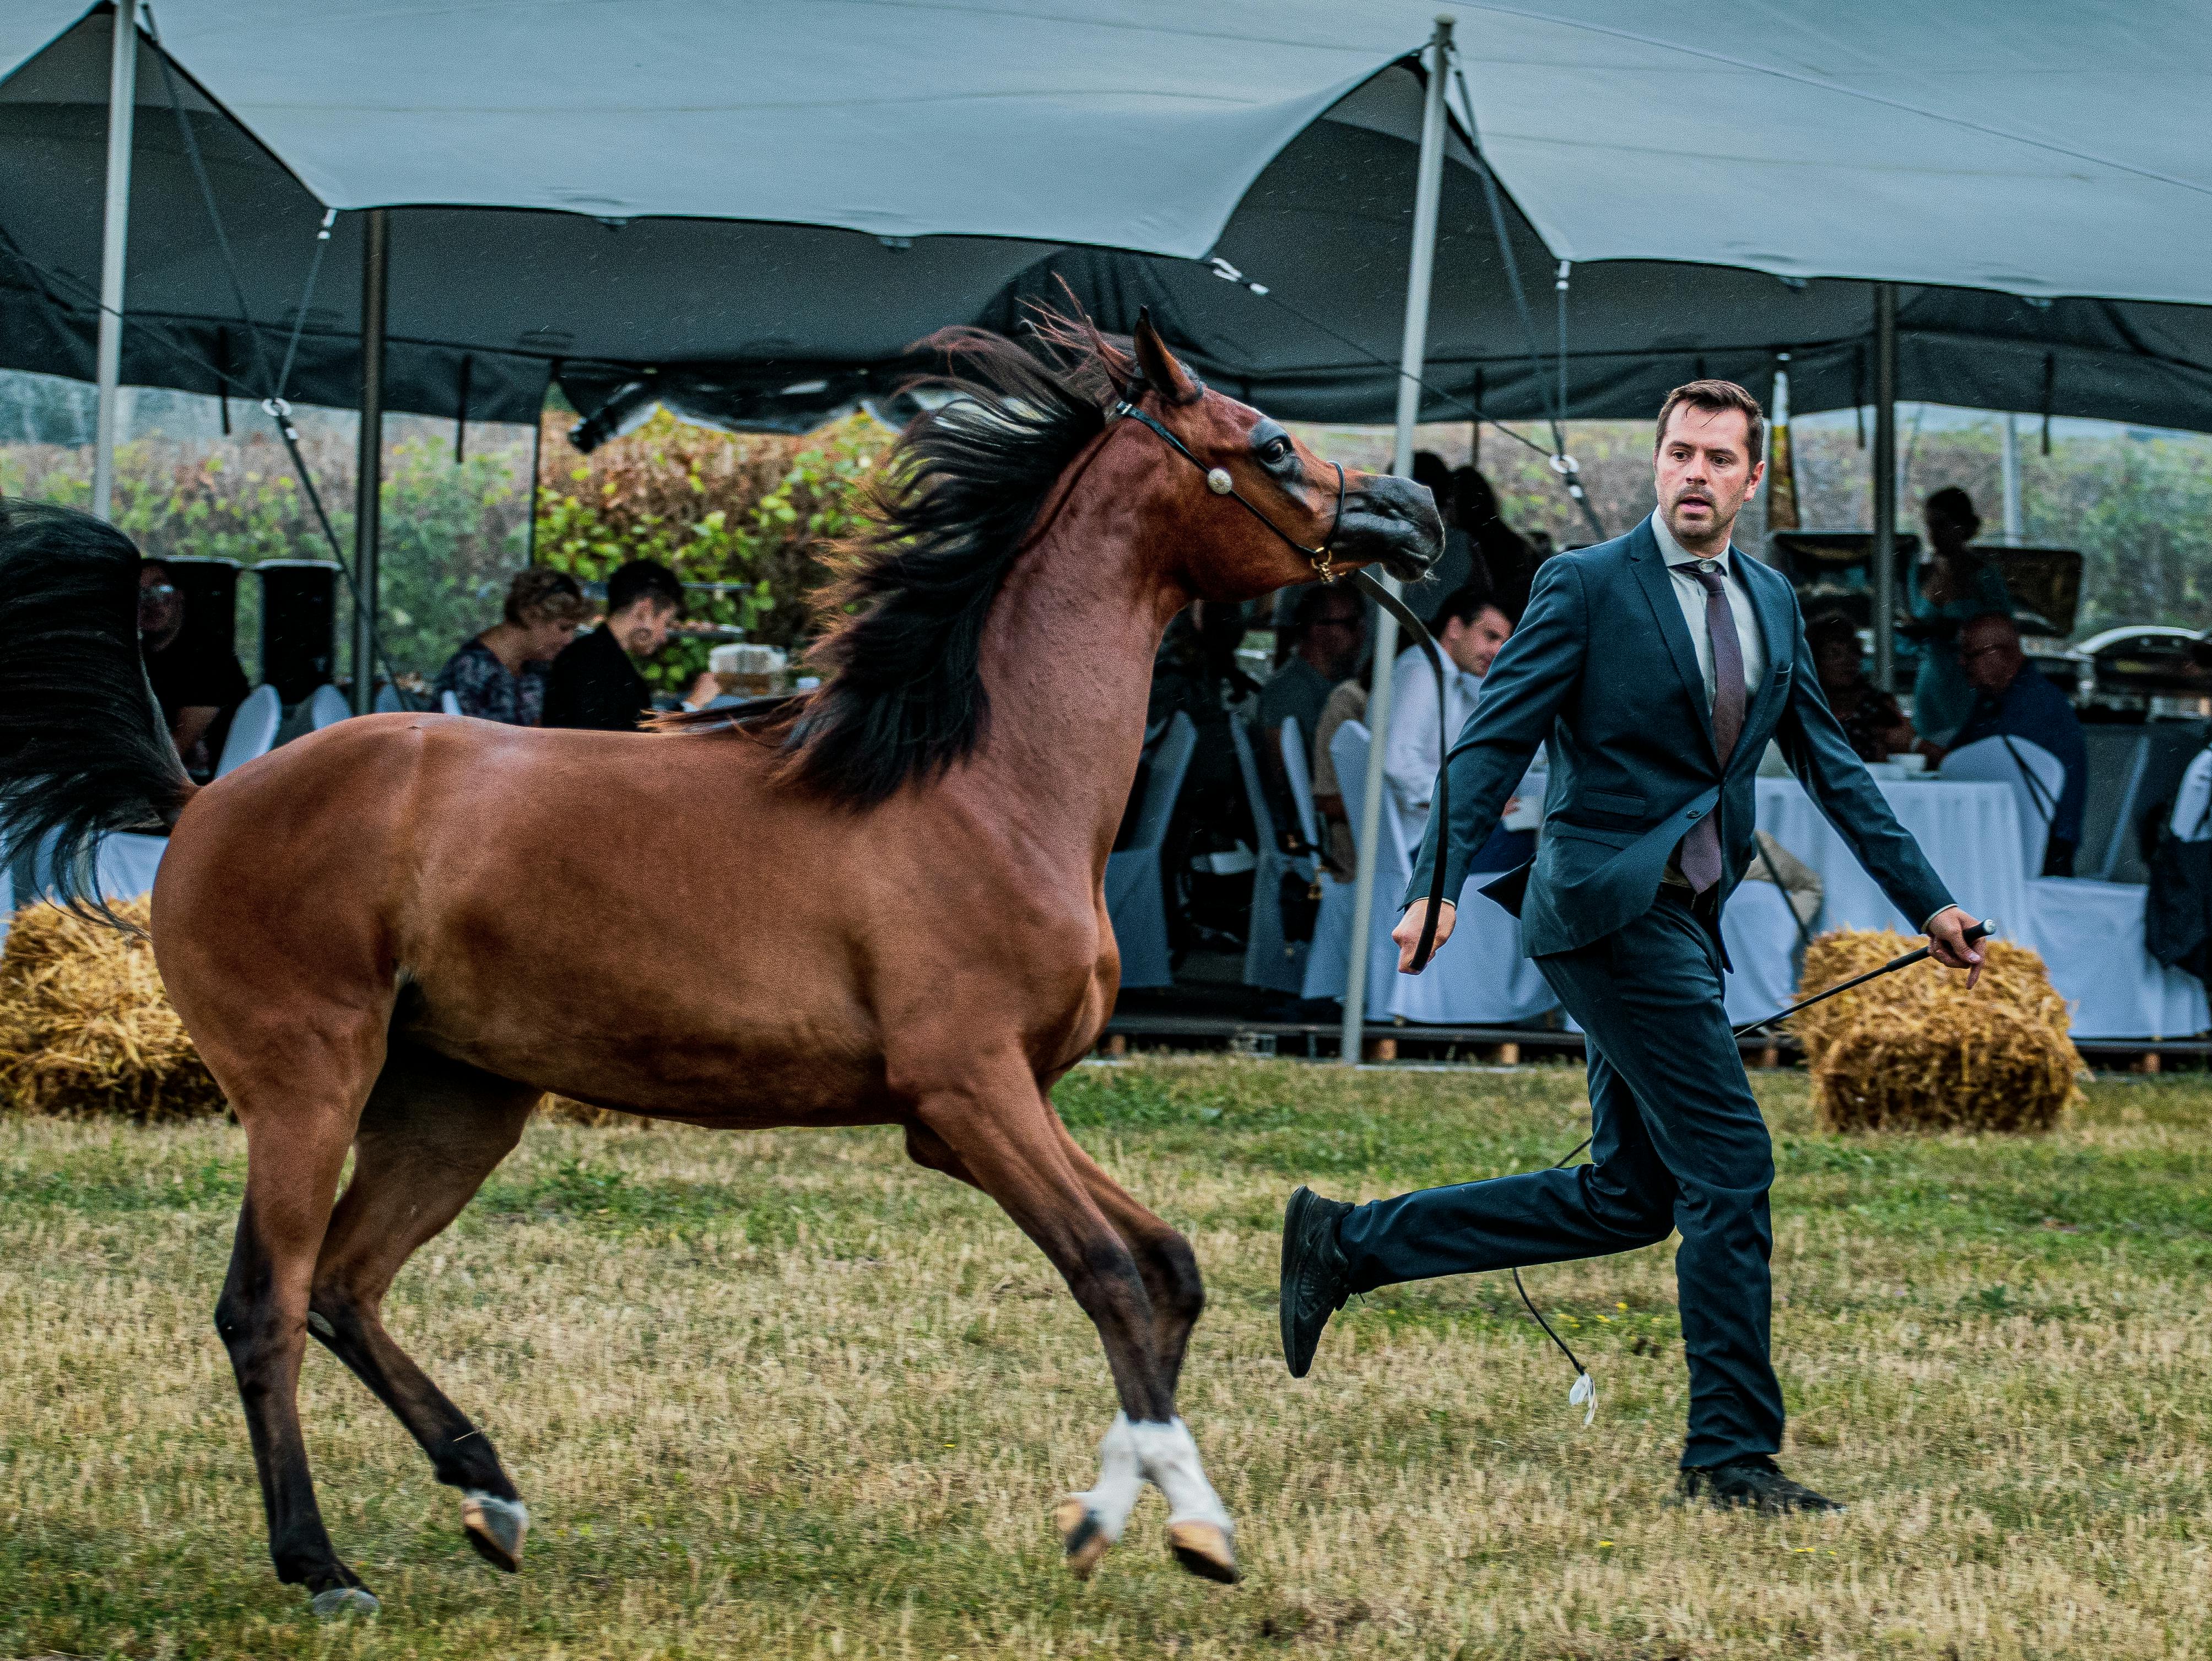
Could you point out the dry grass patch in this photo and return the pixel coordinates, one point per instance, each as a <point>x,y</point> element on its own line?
<point>787,1395</point>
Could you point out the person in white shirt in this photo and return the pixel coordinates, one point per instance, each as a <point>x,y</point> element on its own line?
<point>1470,626</point>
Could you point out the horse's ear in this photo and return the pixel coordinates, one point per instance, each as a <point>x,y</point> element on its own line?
<point>1157,368</point>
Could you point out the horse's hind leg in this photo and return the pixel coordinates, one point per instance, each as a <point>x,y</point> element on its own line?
<point>433,1130</point>
<point>297,1127</point>
<point>1006,1139</point>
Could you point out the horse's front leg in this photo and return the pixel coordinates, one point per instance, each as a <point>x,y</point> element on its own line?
<point>1009,1143</point>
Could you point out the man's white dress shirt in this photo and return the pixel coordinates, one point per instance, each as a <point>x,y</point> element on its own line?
<point>1682,568</point>
<point>1415,751</point>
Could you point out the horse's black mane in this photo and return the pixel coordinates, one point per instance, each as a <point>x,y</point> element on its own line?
<point>902,697</point>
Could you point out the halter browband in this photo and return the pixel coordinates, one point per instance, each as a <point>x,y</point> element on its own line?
<point>1320,556</point>
<point>1389,602</point>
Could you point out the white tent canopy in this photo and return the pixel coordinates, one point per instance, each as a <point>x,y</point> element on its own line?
<point>1889,139</point>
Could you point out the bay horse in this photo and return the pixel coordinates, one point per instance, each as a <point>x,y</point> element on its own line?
<point>395,935</point>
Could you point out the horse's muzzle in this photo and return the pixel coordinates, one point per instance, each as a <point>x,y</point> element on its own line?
<point>1394,522</point>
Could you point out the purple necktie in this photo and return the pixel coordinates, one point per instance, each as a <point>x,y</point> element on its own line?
<point>1701,848</point>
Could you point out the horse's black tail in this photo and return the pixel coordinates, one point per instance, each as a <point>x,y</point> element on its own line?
<point>83,751</point>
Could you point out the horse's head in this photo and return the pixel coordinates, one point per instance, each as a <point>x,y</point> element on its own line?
<point>1259,509</point>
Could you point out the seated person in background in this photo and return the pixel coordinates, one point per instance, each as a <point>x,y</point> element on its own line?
<point>1950,584</point>
<point>500,674</point>
<point>1502,555</point>
<point>1328,626</point>
<point>594,683</point>
<point>1455,565</point>
<point>1872,722</point>
<point>2013,700</point>
<point>198,683</point>
<point>1470,626</point>
<point>1347,701</point>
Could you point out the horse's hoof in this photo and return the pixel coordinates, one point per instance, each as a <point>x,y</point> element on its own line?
<point>1204,1549</point>
<point>496,1527</point>
<point>343,1601</point>
<point>1082,1535</point>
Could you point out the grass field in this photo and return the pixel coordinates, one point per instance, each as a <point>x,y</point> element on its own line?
<point>784,1395</point>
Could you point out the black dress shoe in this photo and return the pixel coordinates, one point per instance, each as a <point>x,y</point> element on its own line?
<point>1316,1282</point>
<point>1754,1482</point>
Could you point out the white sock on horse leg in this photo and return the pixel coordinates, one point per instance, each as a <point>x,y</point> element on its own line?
<point>1169,1458</point>
<point>1121,1480</point>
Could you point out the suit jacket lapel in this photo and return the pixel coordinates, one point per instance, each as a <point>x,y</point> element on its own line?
<point>1643,559</point>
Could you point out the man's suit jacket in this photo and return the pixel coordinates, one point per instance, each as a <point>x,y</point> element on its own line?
<point>594,684</point>
<point>1603,669</point>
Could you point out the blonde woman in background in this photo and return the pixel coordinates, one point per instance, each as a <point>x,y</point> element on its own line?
<point>500,674</point>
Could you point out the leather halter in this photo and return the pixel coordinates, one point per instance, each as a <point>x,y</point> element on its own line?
<point>1217,481</point>
<point>1220,484</point>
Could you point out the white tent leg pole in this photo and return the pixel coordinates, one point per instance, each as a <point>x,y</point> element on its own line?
<point>368,462</point>
<point>1884,485</point>
<point>2014,533</point>
<point>122,108</point>
<point>1427,192</point>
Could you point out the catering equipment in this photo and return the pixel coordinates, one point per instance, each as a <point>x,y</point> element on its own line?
<point>208,588</point>
<point>2146,671</point>
<point>299,624</point>
<point>749,671</point>
<point>1830,571</point>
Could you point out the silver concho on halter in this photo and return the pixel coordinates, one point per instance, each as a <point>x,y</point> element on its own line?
<point>1218,482</point>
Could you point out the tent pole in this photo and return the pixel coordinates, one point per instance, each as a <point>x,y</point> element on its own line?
<point>368,462</point>
<point>1428,190</point>
<point>122,109</point>
<point>536,466</point>
<point>1885,485</point>
<point>2014,531</point>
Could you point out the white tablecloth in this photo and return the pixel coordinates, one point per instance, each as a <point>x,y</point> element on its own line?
<point>2089,934</point>
<point>1970,833</point>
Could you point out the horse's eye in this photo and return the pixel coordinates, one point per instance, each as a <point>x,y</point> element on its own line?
<point>1275,450</point>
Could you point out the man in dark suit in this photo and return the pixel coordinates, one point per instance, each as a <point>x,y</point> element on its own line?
<point>1656,667</point>
<point>594,681</point>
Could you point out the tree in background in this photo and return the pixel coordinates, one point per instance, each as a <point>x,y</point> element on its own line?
<point>753,513</point>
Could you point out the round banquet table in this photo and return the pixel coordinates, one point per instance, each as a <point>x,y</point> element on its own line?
<point>1969,832</point>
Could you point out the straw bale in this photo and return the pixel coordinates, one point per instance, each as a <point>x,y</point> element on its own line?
<point>85,1027</point>
<point>1917,1051</point>
<point>569,1111</point>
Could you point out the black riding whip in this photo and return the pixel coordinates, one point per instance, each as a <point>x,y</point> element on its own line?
<point>1979,931</point>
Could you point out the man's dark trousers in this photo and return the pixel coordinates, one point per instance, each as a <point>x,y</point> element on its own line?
<point>1677,1143</point>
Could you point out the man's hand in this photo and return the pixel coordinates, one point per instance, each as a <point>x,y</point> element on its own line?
<point>1946,943</point>
<point>704,690</point>
<point>1408,933</point>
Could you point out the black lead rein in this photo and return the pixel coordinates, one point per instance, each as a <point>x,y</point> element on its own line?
<point>1218,481</point>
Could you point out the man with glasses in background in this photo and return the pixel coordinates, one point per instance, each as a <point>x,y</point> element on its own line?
<point>197,682</point>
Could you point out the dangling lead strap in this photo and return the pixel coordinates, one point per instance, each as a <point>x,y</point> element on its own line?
<point>1419,632</point>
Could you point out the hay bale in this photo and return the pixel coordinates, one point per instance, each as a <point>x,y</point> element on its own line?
<point>85,1027</point>
<point>567,1110</point>
<point>1917,1051</point>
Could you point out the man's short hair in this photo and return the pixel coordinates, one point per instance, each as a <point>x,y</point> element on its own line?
<point>1468,602</point>
<point>1434,472</point>
<point>1717,396</point>
<point>643,579</point>
<point>552,596</point>
<point>1831,625</point>
<point>1956,505</point>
